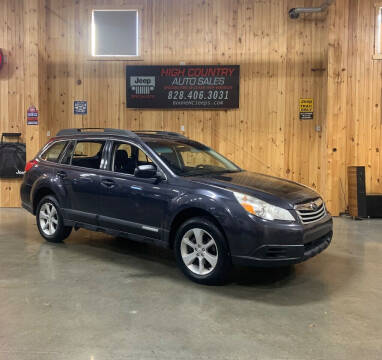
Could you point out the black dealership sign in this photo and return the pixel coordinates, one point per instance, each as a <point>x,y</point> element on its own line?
<point>183,87</point>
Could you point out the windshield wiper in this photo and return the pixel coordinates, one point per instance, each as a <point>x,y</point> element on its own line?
<point>195,173</point>
<point>232,171</point>
<point>224,172</point>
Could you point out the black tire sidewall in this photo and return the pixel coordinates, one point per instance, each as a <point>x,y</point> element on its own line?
<point>219,274</point>
<point>62,232</point>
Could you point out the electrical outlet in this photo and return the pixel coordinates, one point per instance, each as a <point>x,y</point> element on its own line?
<point>318,128</point>
<point>181,127</point>
<point>48,133</point>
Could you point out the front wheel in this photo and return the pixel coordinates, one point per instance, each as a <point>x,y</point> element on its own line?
<point>201,251</point>
<point>50,222</point>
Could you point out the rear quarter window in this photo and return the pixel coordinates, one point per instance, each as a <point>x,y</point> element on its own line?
<point>53,153</point>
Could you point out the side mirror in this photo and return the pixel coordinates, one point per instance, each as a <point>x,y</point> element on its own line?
<point>146,171</point>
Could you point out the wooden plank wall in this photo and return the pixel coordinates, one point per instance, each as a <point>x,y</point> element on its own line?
<point>354,122</point>
<point>364,92</point>
<point>335,130</point>
<point>35,72</point>
<point>276,55</point>
<point>12,85</point>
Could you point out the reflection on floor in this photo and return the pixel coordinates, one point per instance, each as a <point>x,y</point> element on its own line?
<point>97,297</point>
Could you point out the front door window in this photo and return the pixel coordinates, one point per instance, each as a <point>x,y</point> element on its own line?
<point>127,157</point>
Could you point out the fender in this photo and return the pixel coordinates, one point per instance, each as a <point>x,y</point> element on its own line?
<point>52,184</point>
<point>208,201</point>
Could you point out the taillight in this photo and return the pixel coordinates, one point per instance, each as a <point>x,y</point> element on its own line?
<point>30,164</point>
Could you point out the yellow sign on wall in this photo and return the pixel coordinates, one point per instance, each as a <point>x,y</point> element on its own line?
<point>306,109</point>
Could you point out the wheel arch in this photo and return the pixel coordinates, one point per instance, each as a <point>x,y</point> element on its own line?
<point>39,194</point>
<point>190,213</point>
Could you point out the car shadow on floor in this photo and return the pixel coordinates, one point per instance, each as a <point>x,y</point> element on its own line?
<point>311,281</point>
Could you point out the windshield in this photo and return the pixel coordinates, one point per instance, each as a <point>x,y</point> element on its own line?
<point>190,158</point>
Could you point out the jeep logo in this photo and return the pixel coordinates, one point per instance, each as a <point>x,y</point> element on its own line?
<point>142,84</point>
<point>146,81</point>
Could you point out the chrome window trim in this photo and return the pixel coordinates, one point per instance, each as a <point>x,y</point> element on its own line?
<point>75,144</point>
<point>106,139</point>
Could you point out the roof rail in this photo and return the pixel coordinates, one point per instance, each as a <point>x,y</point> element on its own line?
<point>76,131</point>
<point>156,132</point>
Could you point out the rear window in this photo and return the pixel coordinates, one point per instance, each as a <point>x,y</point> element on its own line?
<point>87,154</point>
<point>53,153</point>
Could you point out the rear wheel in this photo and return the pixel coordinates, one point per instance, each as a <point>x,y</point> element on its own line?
<point>201,251</point>
<point>50,222</point>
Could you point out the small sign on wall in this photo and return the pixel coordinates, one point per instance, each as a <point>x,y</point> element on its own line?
<point>306,109</point>
<point>32,116</point>
<point>80,107</point>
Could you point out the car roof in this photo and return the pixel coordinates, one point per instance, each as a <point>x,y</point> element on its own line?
<point>105,132</point>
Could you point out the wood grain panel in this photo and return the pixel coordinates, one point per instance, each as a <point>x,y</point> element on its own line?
<point>276,56</point>
<point>353,134</point>
<point>12,86</point>
<point>325,56</point>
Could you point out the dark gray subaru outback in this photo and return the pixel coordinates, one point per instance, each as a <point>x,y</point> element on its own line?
<point>164,188</point>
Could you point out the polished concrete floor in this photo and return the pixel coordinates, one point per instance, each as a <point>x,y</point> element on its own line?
<point>100,298</point>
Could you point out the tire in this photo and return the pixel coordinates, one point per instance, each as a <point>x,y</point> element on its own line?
<point>201,252</point>
<point>50,222</point>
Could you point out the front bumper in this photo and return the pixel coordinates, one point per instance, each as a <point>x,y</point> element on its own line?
<point>272,255</point>
<point>263,243</point>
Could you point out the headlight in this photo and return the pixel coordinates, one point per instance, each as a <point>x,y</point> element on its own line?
<point>262,209</point>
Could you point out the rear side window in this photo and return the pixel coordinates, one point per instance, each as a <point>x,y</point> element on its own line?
<point>53,153</point>
<point>86,154</point>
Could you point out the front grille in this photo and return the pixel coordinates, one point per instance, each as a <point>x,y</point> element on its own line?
<point>311,211</point>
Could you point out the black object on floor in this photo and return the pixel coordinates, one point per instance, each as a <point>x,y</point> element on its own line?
<point>361,204</point>
<point>374,205</point>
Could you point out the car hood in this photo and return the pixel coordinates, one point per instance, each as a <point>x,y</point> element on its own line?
<point>269,188</point>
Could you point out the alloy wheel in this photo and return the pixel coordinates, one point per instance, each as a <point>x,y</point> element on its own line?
<point>199,251</point>
<point>48,218</point>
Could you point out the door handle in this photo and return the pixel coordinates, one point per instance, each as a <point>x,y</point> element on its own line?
<point>108,183</point>
<point>61,174</point>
